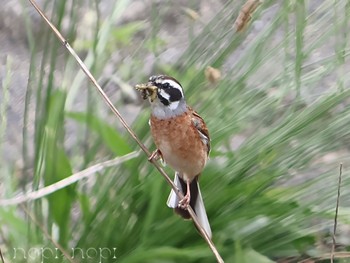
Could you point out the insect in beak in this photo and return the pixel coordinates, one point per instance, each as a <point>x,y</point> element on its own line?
<point>147,91</point>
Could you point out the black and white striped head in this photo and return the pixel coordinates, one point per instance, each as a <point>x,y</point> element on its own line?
<point>169,100</point>
<point>169,90</point>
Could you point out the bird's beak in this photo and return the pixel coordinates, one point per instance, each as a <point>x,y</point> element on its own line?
<point>148,91</point>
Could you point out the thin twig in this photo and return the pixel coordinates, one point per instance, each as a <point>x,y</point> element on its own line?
<point>129,130</point>
<point>48,236</point>
<point>67,181</point>
<point>336,212</point>
<point>2,258</point>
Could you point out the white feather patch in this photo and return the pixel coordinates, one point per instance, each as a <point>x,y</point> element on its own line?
<point>204,138</point>
<point>173,199</point>
<point>164,94</point>
<point>173,105</point>
<point>201,213</point>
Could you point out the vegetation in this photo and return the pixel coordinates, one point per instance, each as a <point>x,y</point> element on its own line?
<point>279,120</point>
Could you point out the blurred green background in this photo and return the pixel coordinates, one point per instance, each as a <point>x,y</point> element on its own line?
<point>279,120</point>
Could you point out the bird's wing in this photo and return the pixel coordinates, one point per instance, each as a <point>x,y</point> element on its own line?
<point>202,129</point>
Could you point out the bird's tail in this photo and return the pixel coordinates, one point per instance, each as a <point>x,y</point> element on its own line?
<point>196,202</point>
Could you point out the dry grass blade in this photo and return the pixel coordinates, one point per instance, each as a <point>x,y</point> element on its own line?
<point>127,127</point>
<point>336,213</point>
<point>67,181</point>
<point>245,14</point>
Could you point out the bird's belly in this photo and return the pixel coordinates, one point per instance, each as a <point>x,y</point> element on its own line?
<point>190,163</point>
<point>181,146</point>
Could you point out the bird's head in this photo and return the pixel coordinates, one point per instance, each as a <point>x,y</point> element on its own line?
<point>164,93</point>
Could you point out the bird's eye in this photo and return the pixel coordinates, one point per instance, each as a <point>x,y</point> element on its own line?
<point>166,85</point>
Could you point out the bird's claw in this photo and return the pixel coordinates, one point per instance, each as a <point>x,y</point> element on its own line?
<point>155,156</point>
<point>184,202</point>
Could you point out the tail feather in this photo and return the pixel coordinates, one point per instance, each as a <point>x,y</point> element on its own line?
<point>199,208</point>
<point>196,202</point>
<point>173,199</point>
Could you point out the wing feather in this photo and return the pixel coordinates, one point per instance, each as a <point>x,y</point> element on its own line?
<point>202,129</point>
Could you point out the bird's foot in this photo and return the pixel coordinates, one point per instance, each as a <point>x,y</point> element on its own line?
<point>184,202</point>
<point>155,156</point>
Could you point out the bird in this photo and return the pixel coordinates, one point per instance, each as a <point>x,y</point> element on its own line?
<point>182,140</point>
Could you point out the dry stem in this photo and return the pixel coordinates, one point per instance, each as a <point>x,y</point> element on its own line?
<point>67,181</point>
<point>57,245</point>
<point>336,212</point>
